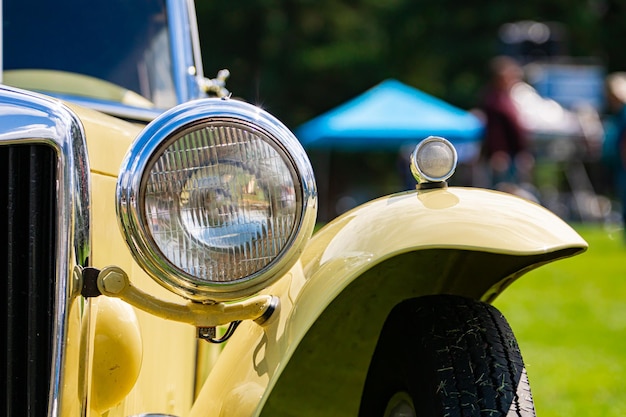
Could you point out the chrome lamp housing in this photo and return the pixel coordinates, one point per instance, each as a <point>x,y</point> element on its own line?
<point>433,161</point>
<point>216,199</point>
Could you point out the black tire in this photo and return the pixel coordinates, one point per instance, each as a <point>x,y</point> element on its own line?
<point>450,357</point>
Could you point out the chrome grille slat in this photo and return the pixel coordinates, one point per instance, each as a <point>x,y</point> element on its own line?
<point>28,207</point>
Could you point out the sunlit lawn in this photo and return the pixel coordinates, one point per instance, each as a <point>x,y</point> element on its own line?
<point>570,321</point>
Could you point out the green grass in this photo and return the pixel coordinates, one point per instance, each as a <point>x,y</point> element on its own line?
<point>570,321</point>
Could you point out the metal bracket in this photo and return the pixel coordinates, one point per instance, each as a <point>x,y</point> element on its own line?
<point>216,86</point>
<point>90,282</point>
<point>112,281</point>
<point>209,333</point>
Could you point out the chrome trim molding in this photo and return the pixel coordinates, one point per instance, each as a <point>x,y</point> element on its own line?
<point>29,118</point>
<point>111,107</point>
<point>183,40</point>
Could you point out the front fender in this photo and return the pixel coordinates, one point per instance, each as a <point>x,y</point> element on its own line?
<point>316,349</point>
<point>465,218</point>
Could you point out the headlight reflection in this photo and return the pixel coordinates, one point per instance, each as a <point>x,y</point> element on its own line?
<point>220,202</point>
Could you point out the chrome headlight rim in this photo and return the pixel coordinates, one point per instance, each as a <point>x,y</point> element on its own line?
<point>152,142</point>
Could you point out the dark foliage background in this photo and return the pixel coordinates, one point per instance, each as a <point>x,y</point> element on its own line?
<point>299,58</point>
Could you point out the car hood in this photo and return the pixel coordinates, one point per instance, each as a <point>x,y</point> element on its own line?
<point>108,139</point>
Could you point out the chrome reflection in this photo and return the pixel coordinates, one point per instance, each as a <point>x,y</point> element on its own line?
<point>28,118</point>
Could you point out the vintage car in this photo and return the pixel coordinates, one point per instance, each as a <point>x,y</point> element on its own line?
<point>150,217</point>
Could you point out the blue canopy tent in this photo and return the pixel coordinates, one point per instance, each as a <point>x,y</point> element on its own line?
<point>389,116</point>
<point>384,122</point>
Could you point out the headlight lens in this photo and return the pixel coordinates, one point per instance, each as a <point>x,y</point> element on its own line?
<point>216,199</point>
<point>434,159</point>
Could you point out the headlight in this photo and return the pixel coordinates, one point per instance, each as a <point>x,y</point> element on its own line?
<point>215,199</point>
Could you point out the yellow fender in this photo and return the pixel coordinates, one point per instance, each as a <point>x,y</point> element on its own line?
<point>315,350</point>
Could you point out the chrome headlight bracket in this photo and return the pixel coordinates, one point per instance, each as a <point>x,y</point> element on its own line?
<point>215,199</point>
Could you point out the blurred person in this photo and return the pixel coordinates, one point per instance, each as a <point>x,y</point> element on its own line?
<point>505,147</point>
<point>615,136</point>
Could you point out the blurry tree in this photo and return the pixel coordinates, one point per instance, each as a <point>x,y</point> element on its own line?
<point>299,58</point>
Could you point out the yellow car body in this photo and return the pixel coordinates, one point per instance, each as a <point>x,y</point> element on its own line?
<point>332,300</point>
<point>420,242</point>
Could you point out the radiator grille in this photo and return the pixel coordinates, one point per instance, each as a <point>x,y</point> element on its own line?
<point>27,234</point>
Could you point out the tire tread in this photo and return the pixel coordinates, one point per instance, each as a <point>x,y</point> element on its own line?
<point>456,357</point>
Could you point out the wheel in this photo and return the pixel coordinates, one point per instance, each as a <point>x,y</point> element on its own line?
<point>446,356</point>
